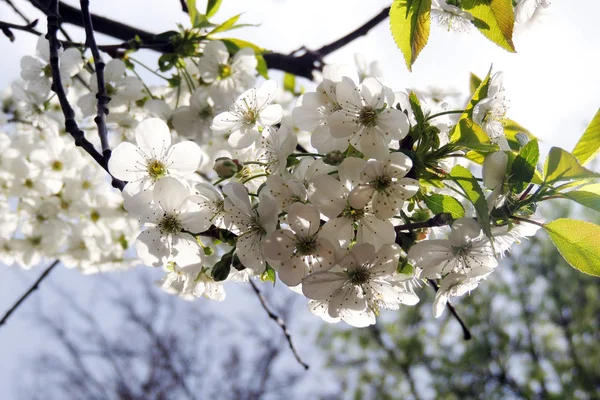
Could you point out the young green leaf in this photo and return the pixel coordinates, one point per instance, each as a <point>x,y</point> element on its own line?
<point>192,11</point>
<point>472,190</point>
<point>410,22</point>
<point>474,83</point>
<point>513,131</point>
<point>585,198</point>
<point>589,145</point>
<point>268,275</point>
<point>439,203</point>
<point>523,167</point>
<point>577,241</point>
<point>495,19</point>
<point>563,166</point>
<point>289,82</point>
<point>480,93</point>
<point>261,67</point>
<point>226,26</point>
<point>233,45</point>
<point>212,7</point>
<point>471,136</point>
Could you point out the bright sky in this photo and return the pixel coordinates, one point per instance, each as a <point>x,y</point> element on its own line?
<point>553,84</point>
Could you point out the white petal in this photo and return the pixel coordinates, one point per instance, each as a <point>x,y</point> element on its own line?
<point>270,115</point>
<point>153,136</point>
<point>279,245</point>
<point>184,158</point>
<point>170,194</point>
<point>127,163</point>
<point>360,196</point>
<point>304,219</point>
<point>152,248</point>
<point>321,285</point>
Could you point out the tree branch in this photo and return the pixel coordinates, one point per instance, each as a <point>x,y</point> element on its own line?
<point>99,65</point>
<point>18,12</point>
<point>278,321</point>
<point>32,289</point>
<point>466,332</point>
<point>70,123</point>
<point>440,219</point>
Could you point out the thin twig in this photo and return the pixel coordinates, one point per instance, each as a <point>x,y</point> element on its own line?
<point>466,332</point>
<point>99,65</point>
<point>70,123</point>
<point>25,28</point>
<point>16,10</point>
<point>278,321</point>
<point>184,6</point>
<point>441,219</point>
<point>32,289</point>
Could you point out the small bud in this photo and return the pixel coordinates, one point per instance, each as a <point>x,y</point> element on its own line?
<point>334,158</point>
<point>225,167</point>
<point>237,264</point>
<point>220,271</point>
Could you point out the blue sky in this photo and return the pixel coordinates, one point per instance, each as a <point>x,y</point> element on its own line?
<point>552,83</point>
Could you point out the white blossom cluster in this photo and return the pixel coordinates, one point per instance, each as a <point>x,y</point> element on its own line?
<point>233,181</point>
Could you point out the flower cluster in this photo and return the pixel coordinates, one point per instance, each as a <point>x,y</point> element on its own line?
<point>352,195</point>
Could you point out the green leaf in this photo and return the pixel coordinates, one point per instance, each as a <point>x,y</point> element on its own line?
<point>416,107</point>
<point>589,145</point>
<point>480,93</point>
<point>471,136</point>
<point>192,11</point>
<point>474,83</point>
<point>410,22</point>
<point>212,7</point>
<point>577,241</point>
<point>233,45</point>
<point>563,166</point>
<point>226,26</point>
<point>523,167</point>
<point>439,203</point>
<point>289,82</point>
<point>261,67</point>
<point>495,19</point>
<point>513,130</point>
<point>472,190</point>
<point>587,199</point>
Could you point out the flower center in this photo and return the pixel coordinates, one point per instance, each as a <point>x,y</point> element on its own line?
<point>306,245</point>
<point>110,89</point>
<point>170,224</point>
<point>358,276</point>
<point>47,70</point>
<point>381,183</point>
<point>57,166</point>
<point>224,71</point>
<point>353,213</point>
<point>367,117</point>
<point>156,170</point>
<point>94,215</point>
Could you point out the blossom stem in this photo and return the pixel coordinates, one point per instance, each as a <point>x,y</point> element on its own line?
<point>219,181</point>
<point>32,289</point>
<point>466,332</point>
<point>307,155</point>
<point>441,219</point>
<point>146,88</point>
<point>444,113</point>
<point>253,177</point>
<point>527,220</point>
<point>141,64</point>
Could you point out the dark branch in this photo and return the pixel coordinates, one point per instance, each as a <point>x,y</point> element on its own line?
<point>441,219</point>
<point>4,26</point>
<point>70,123</point>
<point>466,332</point>
<point>102,96</point>
<point>32,289</point>
<point>18,12</point>
<point>184,6</point>
<point>278,321</point>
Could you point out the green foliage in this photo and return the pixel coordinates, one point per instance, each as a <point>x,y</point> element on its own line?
<point>289,82</point>
<point>589,145</point>
<point>227,25</point>
<point>469,135</point>
<point>578,242</point>
<point>212,6</point>
<point>514,131</point>
<point>269,275</point>
<point>585,198</point>
<point>439,203</point>
<point>410,23</point>
<point>523,167</point>
<point>192,10</point>
<point>563,166</point>
<point>463,178</point>
<point>262,67</point>
<point>220,271</point>
<point>495,19</point>
<point>474,83</point>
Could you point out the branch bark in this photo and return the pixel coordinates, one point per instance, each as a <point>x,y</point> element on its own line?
<point>278,321</point>
<point>466,332</point>
<point>32,289</point>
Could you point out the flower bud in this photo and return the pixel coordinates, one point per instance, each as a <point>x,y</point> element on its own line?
<point>225,167</point>
<point>334,158</point>
<point>220,271</point>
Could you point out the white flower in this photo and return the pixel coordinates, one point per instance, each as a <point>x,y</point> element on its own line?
<point>451,17</point>
<point>120,88</point>
<point>228,78</point>
<point>494,176</point>
<point>286,191</point>
<point>248,115</point>
<point>331,198</point>
<point>276,146</point>
<point>193,121</point>
<point>251,225</point>
<point>208,197</point>
<point>314,108</point>
<point>385,184</point>
<point>365,118</point>
<point>153,158</point>
<point>366,69</point>
<point>505,236</point>
<point>455,284</point>
<point>37,72</point>
<point>171,213</point>
<point>467,248</point>
<point>526,8</point>
<point>490,112</point>
<point>299,251</point>
<point>363,285</point>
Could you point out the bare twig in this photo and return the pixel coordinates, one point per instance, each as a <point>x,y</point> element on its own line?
<point>32,289</point>
<point>25,28</point>
<point>70,123</point>
<point>99,65</point>
<point>278,321</point>
<point>466,332</point>
<point>441,219</point>
<point>184,6</point>
<point>18,12</point>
